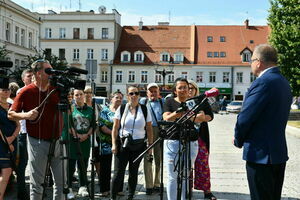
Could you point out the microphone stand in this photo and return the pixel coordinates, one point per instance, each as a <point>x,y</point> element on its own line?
<point>172,130</point>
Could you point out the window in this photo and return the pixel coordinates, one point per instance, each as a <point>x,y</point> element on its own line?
<point>131,76</point>
<point>48,53</point>
<point>17,63</point>
<point>184,75</point>
<point>212,77</point>
<point>104,33</point>
<point>216,54</point>
<point>17,35</point>
<point>62,54</point>
<point>144,76</point>
<point>90,54</point>
<point>22,37</point>
<point>62,33</point>
<point>158,78</point>
<point>252,77</point>
<point>104,76</point>
<point>222,38</point>
<point>246,56</point>
<point>75,54</point>
<point>199,77</point>
<point>138,56</point>
<point>125,56</point>
<point>178,57</point>
<point>48,33</point>
<point>171,77</point>
<point>7,32</point>
<point>222,54</point>
<point>90,33</point>
<point>209,54</point>
<point>119,76</point>
<point>225,77</point>
<point>164,57</point>
<point>104,54</point>
<point>209,38</point>
<point>76,33</point>
<point>239,77</point>
<point>30,40</point>
<point>251,41</point>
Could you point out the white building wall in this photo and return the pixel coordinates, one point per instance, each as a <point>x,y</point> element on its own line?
<point>17,16</point>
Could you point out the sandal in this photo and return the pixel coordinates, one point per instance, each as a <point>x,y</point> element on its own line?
<point>209,196</point>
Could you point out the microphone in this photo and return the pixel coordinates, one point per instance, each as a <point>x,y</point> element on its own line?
<point>51,71</point>
<point>6,64</point>
<point>209,93</point>
<point>77,70</point>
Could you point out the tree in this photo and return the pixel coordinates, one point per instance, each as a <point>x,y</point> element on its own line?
<point>3,53</point>
<point>284,20</point>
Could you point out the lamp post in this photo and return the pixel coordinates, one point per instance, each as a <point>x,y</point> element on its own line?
<point>168,69</point>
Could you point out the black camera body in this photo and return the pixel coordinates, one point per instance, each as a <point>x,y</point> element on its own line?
<point>4,79</point>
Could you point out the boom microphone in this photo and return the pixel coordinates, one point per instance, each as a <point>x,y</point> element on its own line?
<point>209,93</point>
<point>51,71</point>
<point>77,70</point>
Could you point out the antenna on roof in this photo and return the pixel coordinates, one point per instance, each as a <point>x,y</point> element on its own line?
<point>45,6</point>
<point>31,6</point>
<point>79,4</point>
<point>169,17</point>
<point>70,4</point>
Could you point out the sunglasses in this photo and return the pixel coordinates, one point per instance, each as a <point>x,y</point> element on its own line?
<point>133,93</point>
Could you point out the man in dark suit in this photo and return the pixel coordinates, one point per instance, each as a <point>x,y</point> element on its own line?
<point>260,126</point>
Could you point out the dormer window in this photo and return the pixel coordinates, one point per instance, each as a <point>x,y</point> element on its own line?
<point>165,57</point>
<point>178,57</point>
<point>138,56</point>
<point>125,56</point>
<point>246,55</point>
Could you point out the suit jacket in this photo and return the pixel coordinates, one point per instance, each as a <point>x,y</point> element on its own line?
<point>261,124</point>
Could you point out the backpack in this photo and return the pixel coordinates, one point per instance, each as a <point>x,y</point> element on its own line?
<point>144,109</point>
<point>160,101</point>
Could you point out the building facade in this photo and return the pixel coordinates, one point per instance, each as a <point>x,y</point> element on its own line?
<point>19,32</point>
<point>212,56</point>
<point>87,40</point>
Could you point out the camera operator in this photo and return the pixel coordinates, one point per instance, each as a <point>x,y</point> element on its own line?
<point>43,127</point>
<point>173,111</point>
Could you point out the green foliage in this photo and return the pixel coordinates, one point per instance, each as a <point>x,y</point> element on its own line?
<point>284,20</point>
<point>3,53</point>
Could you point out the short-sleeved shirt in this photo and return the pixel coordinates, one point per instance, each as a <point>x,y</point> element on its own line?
<point>156,110</point>
<point>137,128</point>
<point>31,97</point>
<point>172,105</point>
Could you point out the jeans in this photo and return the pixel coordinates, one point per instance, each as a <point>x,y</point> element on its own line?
<point>23,159</point>
<point>38,151</point>
<point>171,148</point>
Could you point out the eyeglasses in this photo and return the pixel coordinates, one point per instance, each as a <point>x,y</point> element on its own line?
<point>133,93</point>
<point>5,89</point>
<point>253,60</point>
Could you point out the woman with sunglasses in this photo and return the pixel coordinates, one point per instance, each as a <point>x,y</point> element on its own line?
<point>130,124</point>
<point>9,131</point>
<point>202,171</point>
<point>174,108</point>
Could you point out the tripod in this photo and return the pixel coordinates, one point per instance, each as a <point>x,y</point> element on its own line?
<point>169,133</point>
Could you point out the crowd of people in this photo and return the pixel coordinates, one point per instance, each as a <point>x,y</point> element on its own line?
<point>32,126</point>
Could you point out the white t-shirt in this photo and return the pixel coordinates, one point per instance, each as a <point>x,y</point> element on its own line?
<point>138,131</point>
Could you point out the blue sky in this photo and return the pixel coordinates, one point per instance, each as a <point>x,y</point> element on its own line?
<point>182,12</point>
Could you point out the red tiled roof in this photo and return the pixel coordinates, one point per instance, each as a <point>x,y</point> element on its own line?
<point>153,40</point>
<point>237,38</point>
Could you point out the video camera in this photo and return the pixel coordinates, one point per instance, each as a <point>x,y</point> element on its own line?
<point>64,79</point>
<point>4,79</point>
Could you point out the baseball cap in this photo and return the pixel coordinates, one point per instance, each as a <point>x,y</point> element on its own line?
<point>150,85</point>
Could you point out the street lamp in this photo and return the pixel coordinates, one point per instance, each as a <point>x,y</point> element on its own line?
<point>164,70</point>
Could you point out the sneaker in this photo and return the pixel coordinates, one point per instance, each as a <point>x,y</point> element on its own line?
<point>121,193</point>
<point>70,195</point>
<point>149,191</point>
<point>83,191</point>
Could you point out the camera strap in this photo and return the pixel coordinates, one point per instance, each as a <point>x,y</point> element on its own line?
<point>126,112</point>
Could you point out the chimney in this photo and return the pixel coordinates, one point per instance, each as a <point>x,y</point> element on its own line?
<point>246,22</point>
<point>141,25</point>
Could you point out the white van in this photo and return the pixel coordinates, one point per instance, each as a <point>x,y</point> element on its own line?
<point>101,100</point>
